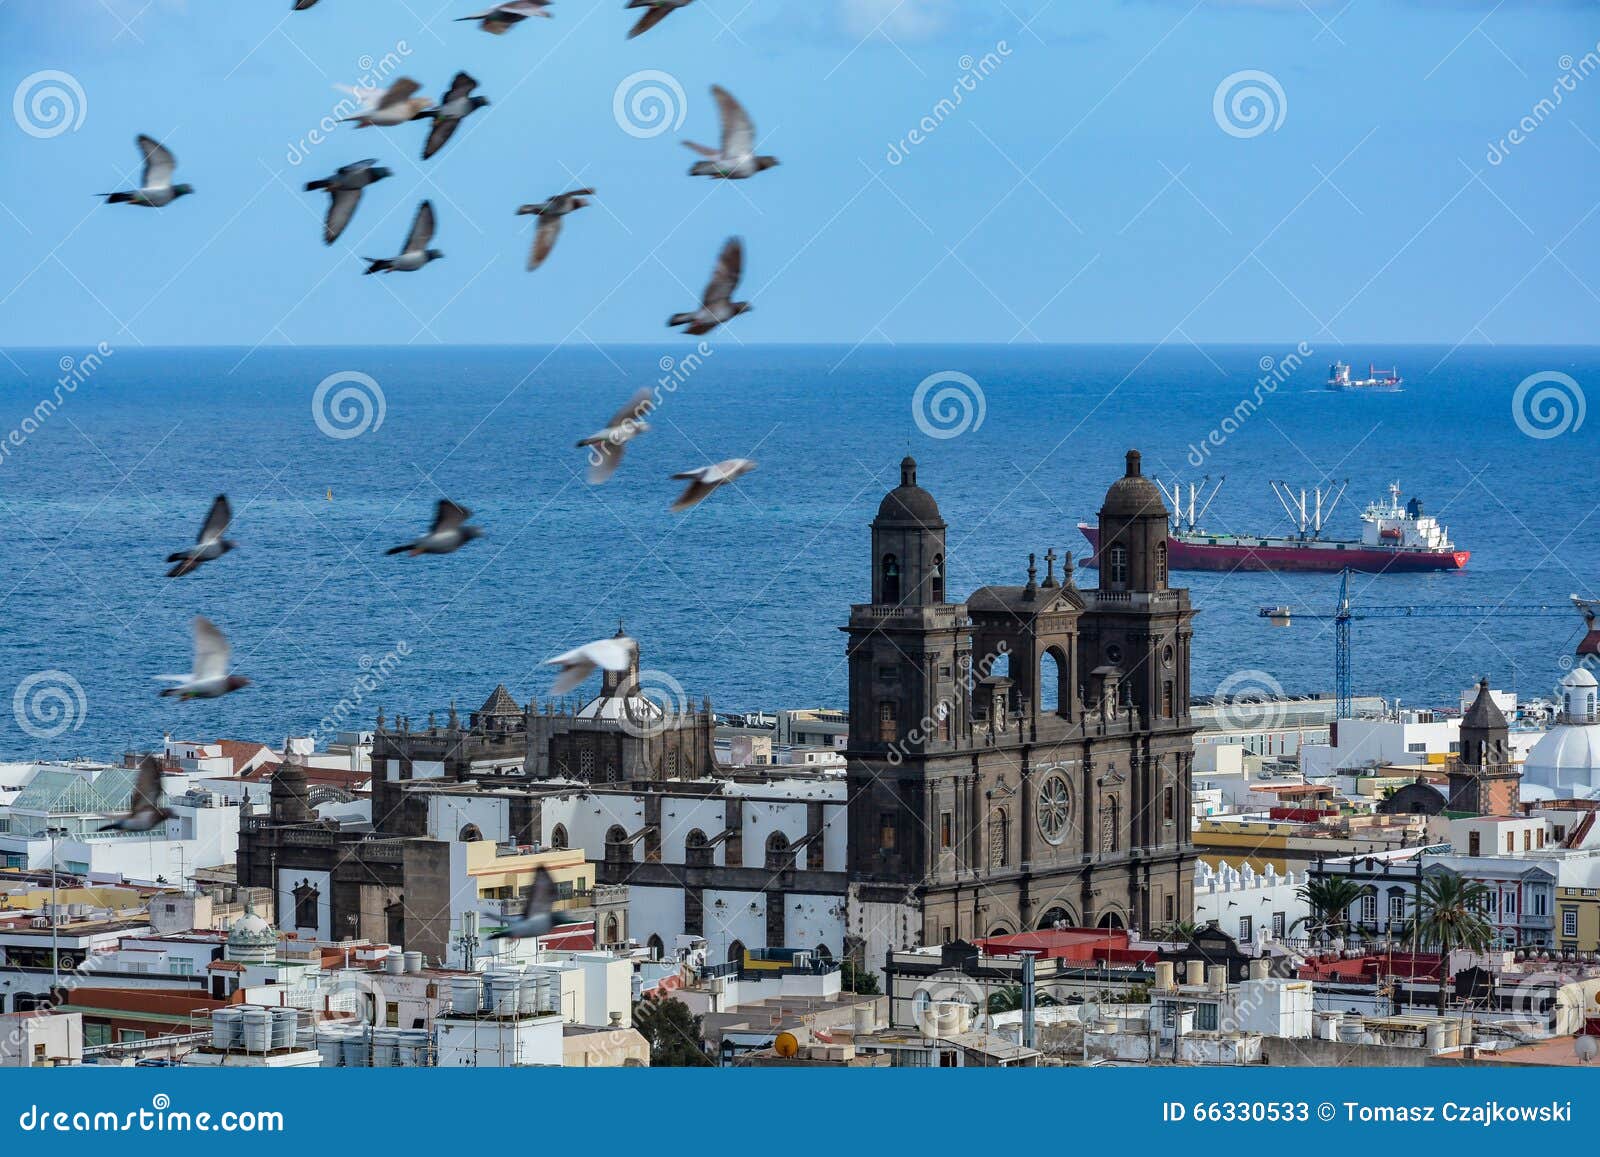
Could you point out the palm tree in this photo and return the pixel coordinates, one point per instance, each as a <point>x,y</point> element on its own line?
<point>1450,916</point>
<point>1179,931</point>
<point>1329,898</point>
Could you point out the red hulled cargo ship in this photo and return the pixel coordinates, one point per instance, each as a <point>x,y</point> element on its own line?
<point>1394,537</point>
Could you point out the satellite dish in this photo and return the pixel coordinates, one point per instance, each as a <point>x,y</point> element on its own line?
<point>1586,1048</point>
<point>788,1046</point>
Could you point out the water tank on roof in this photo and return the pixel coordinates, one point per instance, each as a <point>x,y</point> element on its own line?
<point>284,1023</point>
<point>225,1027</point>
<point>414,962</point>
<point>257,1029</point>
<point>466,995</point>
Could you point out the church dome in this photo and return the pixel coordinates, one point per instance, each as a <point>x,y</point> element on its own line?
<point>1133,495</point>
<point>251,937</point>
<point>909,502</point>
<point>1567,759</point>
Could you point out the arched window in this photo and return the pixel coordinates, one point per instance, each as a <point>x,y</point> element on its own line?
<point>999,839</point>
<point>888,727</point>
<point>613,930</point>
<point>736,952</point>
<point>658,950</point>
<point>824,952</point>
<point>558,837</point>
<point>1161,563</point>
<point>470,834</point>
<point>696,852</point>
<point>779,857</point>
<point>891,580</point>
<point>1055,918</point>
<point>1117,566</point>
<point>1053,682</point>
<point>1110,920</point>
<point>617,845</point>
<point>936,579</point>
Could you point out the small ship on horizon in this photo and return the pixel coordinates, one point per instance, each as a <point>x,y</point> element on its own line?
<point>1388,381</point>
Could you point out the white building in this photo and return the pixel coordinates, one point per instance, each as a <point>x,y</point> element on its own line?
<point>1251,907</point>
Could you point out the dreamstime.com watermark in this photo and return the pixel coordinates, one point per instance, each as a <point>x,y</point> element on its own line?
<point>1548,404</point>
<point>948,404</point>
<point>1274,372</point>
<point>48,704</point>
<point>648,103</point>
<point>1248,103</point>
<point>973,73</point>
<point>348,404</point>
<point>1573,73</point>
<point>374,674</point>
<point>159,1117</point>
<point>48,103</point>
<point>74,373</point>
<point>675,371</point>
<point>374,78</point>
<point>933,724</point>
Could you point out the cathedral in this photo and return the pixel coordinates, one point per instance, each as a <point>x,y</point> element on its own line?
<point>1021,759</point>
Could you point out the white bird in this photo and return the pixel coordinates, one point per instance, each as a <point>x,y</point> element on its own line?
<point>716,304</point>
<point>396,105</point>
<point>614,654</point>
<point>209,545</point>
<point>416,253</point>
<point>448,533</point>
<point>539,917</point>
<point>607,445</point>
<point>707,479</point>
<point>155,186</point>
<point>212,658</point>
<point>144,810</point>
<point>504,16</point>
<point>737,158</point>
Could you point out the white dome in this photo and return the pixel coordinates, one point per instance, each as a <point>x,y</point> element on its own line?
<point>1566,760</point>
<point>1579,677</point>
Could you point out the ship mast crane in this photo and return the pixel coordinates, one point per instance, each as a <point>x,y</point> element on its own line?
<point>1309,512</point>
<point>1186,514</point>
<point>1344,614</point>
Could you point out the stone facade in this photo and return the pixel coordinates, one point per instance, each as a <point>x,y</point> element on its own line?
<point>1021,759</point>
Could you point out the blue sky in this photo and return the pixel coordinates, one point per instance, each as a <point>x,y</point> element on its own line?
<point>1084,189</point>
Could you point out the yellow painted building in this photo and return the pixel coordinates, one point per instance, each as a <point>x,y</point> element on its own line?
<point>507,877</point>
<point>1578,919</point>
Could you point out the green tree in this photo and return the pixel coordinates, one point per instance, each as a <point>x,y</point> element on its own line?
<point>1330,899</point>
<point>854,978</point>
<point>1450,916</point>
<point>1183,931</point>
<point>673,1032</point>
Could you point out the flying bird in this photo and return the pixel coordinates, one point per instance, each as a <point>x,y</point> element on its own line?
<point>448,533</point>
<point>539,917</point>
<point>209,545</point>
<point>707,479</point>
<point>614,654</point>
<point>737,158</point>
<point>344,189</point>
<point>716,304</point>
<point>302,5</point>
<point>396,105</point>
<point>212,657</point>
<point>625,425</point>
<point>451,110</point>
<point>502,17</point>
<point>144,809</point>
<point>155,186</point>
<point>416,253</point>
<point>550,213</point>
<point>659,10</point>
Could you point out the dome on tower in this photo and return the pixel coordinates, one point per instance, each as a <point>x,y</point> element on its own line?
<point>251,939</point>
<point>909,502</point>
<point>1133,495</point>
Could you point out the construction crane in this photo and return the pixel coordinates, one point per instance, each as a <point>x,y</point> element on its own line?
<point>1344,614</point>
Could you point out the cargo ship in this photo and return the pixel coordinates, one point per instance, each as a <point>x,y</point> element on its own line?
<point>1386,380</point>
<point>1394,537</point>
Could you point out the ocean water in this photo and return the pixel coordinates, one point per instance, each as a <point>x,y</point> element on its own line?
<point>741,598</point>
